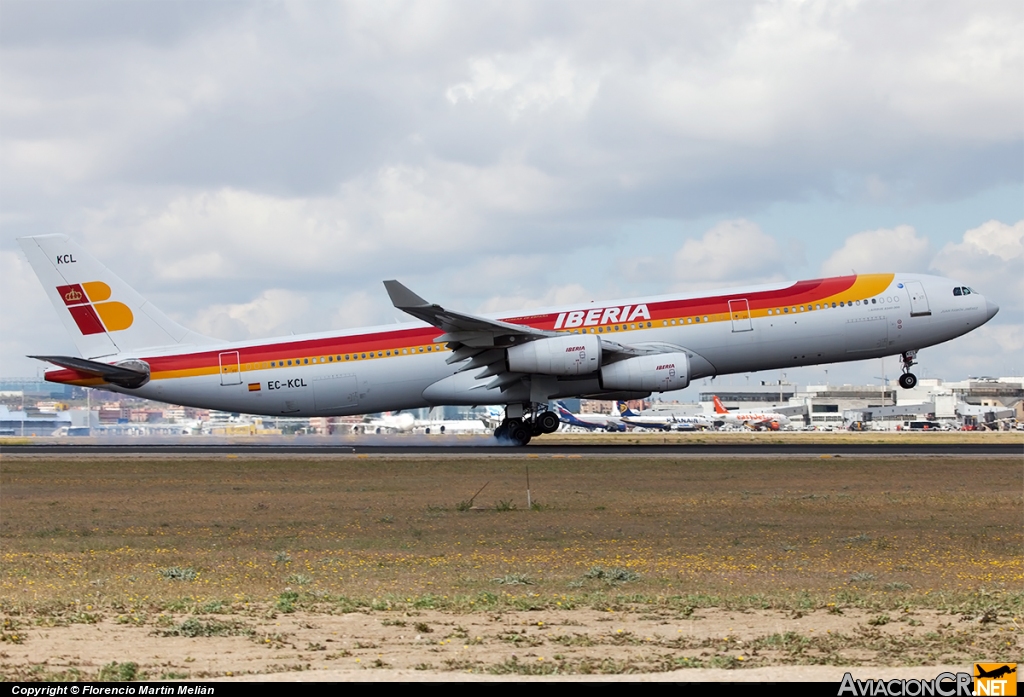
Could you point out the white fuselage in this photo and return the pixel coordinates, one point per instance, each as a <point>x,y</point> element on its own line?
<point>402,367</point>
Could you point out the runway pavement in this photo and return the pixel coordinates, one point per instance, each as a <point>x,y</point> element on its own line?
<point>488,446</point>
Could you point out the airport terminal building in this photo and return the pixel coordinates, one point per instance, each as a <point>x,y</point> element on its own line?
<point>975,402</point>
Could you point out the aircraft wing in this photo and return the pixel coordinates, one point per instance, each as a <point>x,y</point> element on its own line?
<point>481,332</point>
<point>460,327</point>
<point>481,340</point>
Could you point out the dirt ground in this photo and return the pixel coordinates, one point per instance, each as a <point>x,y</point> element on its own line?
<point>582,642</point>
<point>384,568</point>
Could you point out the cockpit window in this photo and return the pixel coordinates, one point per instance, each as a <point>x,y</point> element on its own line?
<point>958,291</point>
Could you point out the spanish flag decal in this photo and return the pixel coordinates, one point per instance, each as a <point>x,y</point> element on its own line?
<point>254,387</point>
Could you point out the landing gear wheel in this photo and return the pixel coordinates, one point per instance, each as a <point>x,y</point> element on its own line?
<point>547,422</point>
<point>501,432</point>
<point>908,381</point>
<point>519,433</point>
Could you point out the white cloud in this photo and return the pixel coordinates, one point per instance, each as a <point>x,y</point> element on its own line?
<point>274,313</point>
<point>882,250</point>
<point>990,258</point>
<point>535,80</point>
<point>360,309</point>
<point>995,349</point>
<point>28,322</point>
<point>557,295</point>
<point>397,216</point>
<point>493,151</point>
<point>733,251</point>
<point>279,312</point>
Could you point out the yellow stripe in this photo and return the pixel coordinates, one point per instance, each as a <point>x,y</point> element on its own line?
<point>864,287</point>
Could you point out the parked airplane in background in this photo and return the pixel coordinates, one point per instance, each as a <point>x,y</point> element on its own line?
<point>624,349</point>
<point>591,422</point>
<point>663,422</point>
<point>405,423</point>
<point>772,421</point>
<point>388,423</point>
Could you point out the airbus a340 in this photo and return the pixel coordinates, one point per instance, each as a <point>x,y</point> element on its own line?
<point>624,349</point>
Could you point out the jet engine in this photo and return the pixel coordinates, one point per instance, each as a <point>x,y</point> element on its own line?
<point>660,372</point>
<point>572,354</point>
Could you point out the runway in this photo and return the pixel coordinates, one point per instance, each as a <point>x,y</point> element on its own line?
<point>488,446</point>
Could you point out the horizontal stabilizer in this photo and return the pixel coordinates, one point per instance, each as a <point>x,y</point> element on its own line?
<point>130,374</point>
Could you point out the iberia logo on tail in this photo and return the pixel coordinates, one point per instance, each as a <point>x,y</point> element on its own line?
<point>89,306</point>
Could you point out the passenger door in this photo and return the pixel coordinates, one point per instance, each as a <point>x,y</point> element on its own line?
<point>739,311</point>
<point>230,370</point>
<point>918,300</point>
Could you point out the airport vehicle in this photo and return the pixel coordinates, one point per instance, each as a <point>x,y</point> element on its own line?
<point>756,420</point>
<point>663,422</point>
<point>924,426</point>
<point>623,349</point>
<point>591,422</point>
<point>436,424</point>
<point>453,427</point>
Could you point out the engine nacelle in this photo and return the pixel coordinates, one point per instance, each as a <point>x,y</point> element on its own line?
<point>572,354</point>
<point>660,372</point>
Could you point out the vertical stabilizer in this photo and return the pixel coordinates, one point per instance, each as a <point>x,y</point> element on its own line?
<point>104,315</point>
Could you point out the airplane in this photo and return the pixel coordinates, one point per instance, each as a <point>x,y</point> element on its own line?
<point>663,422</point>
<point>771,421</point>
<point>388,423</point>
<point>591,422</point>
<point>995,672</point>
<point>617,350</point>
<point>493,416</point>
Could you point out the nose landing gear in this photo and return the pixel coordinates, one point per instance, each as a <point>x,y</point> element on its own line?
<point>908,380</point>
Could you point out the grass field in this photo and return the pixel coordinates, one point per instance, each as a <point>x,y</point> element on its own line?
<point>146,543</point>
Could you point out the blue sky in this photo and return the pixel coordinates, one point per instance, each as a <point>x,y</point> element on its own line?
<point>257,168</point>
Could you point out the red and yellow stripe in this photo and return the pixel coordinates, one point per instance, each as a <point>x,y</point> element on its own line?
<point>803,296</point>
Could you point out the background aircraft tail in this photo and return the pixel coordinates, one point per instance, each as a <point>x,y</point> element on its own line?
<point>104,315</point>
<point>719,407</point>
<point>624,409</point>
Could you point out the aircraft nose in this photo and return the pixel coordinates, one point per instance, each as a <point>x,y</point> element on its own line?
<point>990,309</point>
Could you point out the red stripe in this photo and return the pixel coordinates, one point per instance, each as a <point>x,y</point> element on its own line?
<point>86,319</point>
<point>797,293</point>
<point>66,375</point>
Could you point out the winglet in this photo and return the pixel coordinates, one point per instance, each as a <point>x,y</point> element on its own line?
<point>402,297</point>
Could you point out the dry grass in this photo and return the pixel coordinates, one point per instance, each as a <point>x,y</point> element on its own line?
<point>127,540</point>
<point>371,527</point>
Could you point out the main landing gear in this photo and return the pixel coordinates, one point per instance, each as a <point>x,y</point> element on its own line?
<point>537,420</point>
<point>908,380</point>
